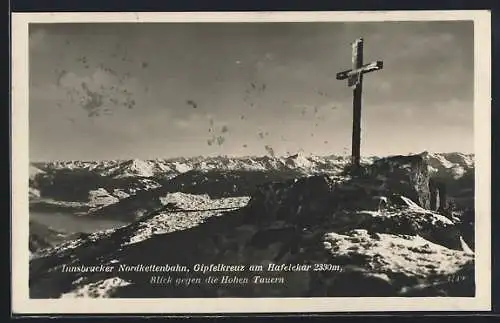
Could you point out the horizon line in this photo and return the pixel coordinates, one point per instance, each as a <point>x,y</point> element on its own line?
<point>246,156</point>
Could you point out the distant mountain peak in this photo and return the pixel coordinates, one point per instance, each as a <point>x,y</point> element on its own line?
<point>136,167</point>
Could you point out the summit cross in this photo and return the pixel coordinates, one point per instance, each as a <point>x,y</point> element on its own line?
<point>354,78</point>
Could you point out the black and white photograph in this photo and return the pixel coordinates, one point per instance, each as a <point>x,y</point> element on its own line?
<point>254,159</point>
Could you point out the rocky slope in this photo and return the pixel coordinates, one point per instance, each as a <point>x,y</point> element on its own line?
<point>42,237</point>
<point>370,235</point>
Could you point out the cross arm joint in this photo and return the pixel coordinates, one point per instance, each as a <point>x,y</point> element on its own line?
<point>374,66</point>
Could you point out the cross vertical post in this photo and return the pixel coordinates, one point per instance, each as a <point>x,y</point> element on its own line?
<point>354,78</point>
<point>357,62</point>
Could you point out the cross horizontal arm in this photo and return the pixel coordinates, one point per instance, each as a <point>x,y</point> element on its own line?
<point>374,66</point>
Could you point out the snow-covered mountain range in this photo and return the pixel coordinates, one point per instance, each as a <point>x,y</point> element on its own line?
<point>454,163</point>
<point>101,183</point>
<point>173,167</point>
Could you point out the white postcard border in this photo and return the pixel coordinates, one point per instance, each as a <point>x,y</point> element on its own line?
<point>21,304</point>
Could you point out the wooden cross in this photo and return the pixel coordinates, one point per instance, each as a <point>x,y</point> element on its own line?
<point>354,78</point>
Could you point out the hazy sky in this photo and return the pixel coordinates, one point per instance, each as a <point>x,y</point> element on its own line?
<point>113,91</point>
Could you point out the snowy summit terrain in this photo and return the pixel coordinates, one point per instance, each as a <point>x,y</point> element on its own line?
<point>381,228</point>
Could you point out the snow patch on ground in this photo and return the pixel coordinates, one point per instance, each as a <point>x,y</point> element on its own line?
<point>169,222</point>
<point>412,210</point>
<point>101,289</point>
<point>200,208</point>
<point>388,253</point>
<point>202,202</point>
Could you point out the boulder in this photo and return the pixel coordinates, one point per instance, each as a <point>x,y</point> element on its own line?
<point>307,200</point>
<point>405,175</point>
<point>302,202</point>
